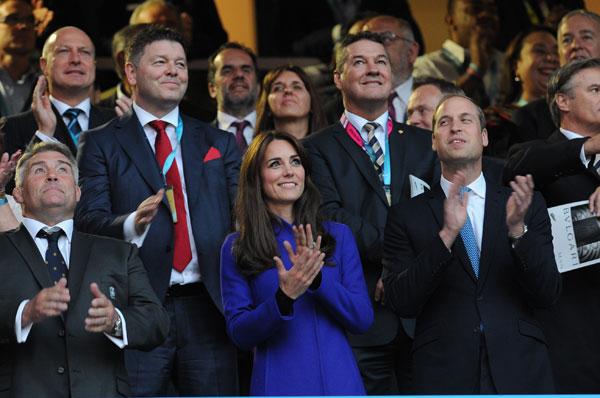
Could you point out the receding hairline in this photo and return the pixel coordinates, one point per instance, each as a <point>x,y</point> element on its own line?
<point>51,40</point>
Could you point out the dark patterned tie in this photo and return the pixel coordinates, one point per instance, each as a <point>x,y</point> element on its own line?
<point>54,259</point>
<point>73,126</point>
<point>239,134</point>
<point>373,147</point>
<point>391,109</point>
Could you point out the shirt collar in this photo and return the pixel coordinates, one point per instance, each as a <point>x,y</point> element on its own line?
<point>146,117</point>
<point>359,122</point>
<point>571,135</point>
<point>34,226</point>
<point>455,50</point>
<point>61,107</point>
<point>225,119</point>
<point>404,90</point>
<point>477,186</point>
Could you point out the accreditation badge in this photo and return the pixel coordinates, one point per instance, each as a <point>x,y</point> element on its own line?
<point>171,199</point>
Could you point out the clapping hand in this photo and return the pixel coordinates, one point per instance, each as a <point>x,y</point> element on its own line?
<point>7,167</point>
<point>307,262</point>
<point>518,203</point>
<point>101,314</point>
<point>42,108</point>
<point>455,211</point>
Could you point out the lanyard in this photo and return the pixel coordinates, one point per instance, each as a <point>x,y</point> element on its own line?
<point>169,160</point>
<point>357,138</point>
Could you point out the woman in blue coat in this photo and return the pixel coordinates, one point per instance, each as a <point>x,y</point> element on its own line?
<point>287,296</point>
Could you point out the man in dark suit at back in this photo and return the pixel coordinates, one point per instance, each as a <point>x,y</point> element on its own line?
<point>470,260</point>
<point>167,182</point>
<point>61,107</point>
<point>362,165</point>
<point>565,169</point>
<point>64,321</point>
<point>578,37</point>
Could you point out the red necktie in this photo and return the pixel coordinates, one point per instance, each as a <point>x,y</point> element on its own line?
<point>182,252</point>
<point>239,134</point>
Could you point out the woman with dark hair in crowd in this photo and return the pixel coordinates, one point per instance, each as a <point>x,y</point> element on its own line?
<point>530,59</point>
<point>292,284</point>
<point>288,102</point>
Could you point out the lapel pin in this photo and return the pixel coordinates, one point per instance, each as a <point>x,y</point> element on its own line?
<point>400,131</point>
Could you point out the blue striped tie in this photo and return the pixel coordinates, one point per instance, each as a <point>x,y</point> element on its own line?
<point>469,239</point>
<point>73,126</point>
<point>373,148</point>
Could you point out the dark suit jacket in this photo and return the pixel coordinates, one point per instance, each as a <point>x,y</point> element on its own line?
<point>59,358</point>
<point>573,324</point>
<point>352,194</point>
<point>533,121</point>
<point>118,171</point>
<point>438,286</point>
<point>19,130</point>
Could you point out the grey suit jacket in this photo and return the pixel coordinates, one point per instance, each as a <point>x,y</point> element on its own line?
<point>60,358</point>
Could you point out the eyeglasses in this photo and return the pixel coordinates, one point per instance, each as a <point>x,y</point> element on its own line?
<point>389,37</point>
<point>14,20</point>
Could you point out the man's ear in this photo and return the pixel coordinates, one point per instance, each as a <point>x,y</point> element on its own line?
<point>484,137</point>
<point>130,73</point>
<point>413,52</point>
<point>212,90</point>
<point>43,65</point>
<point>563,102</point>
<point>17,193</point>
<point>337,80</point>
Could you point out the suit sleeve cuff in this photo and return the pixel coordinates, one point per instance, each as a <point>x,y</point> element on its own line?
<point>284,303</point>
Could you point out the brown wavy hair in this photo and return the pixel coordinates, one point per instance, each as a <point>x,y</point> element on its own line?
<point>264,116</point>
<point>256,245</point>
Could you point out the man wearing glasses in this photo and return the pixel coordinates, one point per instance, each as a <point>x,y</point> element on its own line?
<point>402,49</point>
<point>17,43</point>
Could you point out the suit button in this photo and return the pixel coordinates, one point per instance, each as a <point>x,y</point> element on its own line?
<point>60,370</point>
<point>479,298</point>
<point>476,330</point>
<point>61,333</point>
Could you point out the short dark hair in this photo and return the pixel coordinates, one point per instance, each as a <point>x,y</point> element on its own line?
<point>256,245</point>
<point>480,114</point>
<point>340,49</point>
<point>147,36</point>
<point>446,87</point>
<point>231,45</point>
<point>120,41</point>
<point>265,118</point>
<point>40,147</point>
<point>561,82</point>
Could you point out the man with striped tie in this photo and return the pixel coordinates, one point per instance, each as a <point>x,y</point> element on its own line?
<point>361,165</point>
<point>471,260</point>
<point>61,107</point>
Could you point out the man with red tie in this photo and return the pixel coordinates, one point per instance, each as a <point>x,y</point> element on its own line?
<point>167,182</point>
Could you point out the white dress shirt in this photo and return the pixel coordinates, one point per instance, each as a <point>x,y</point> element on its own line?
<point>380,132</point>
<point>400,103</point>
<point>225,120</point>
<point>192,272</point>
<point>64,246</point>
<point>475,204</point>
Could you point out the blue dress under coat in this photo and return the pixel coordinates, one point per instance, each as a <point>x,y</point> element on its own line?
<point>306,353</point>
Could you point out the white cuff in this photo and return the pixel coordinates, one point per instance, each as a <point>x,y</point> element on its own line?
<point>44,137</point>
<point>130,233</point>
<point>21,332</point>
<point>120,342</point>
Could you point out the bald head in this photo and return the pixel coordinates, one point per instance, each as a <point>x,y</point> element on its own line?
<point>68,63</point>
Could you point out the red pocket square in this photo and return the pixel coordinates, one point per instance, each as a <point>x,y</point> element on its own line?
<point>212,154</point>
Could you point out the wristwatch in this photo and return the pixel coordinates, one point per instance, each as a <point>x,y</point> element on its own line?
<point>515,239</point>
<point>117,329</point>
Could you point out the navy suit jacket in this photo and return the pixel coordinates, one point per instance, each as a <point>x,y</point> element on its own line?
<point>353,194</point>
<point>437,286</point>
<point>118,171</point>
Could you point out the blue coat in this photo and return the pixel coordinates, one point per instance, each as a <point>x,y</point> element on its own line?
<point>308,352</point>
